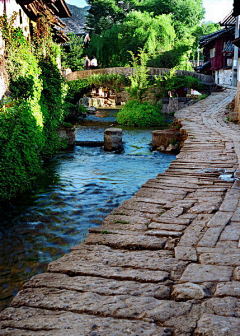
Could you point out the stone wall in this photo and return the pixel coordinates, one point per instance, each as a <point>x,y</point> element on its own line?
<point>129,71</point>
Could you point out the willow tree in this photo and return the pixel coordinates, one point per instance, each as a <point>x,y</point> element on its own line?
<point>157,26</point>
<point>139,30</point>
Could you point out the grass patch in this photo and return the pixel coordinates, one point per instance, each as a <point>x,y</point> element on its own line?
<point>121,222</point>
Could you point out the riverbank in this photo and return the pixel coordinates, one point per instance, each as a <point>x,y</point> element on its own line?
<point>80,187</point>
<point>166,262</point>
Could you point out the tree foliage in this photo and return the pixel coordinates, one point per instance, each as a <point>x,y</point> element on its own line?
<point>163,28</point>
<point>30,117</point>
<point>72,53</point>
<point>139,30</point>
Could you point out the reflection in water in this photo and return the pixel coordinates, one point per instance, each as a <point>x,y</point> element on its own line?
<point>80,188</point>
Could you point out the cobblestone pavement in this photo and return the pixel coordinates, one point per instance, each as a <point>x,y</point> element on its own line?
<point>166,262</point>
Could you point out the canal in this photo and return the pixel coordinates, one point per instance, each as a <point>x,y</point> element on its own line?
<point>79,189</point>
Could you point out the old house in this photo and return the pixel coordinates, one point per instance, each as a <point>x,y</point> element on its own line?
<point>29,13</point>
<point>218,52</point>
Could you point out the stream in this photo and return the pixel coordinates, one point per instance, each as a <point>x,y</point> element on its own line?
<point>80,188</point>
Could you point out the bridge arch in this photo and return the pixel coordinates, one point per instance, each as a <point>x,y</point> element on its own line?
<point>127,71</point>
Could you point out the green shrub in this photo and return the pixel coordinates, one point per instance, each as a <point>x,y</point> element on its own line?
<point>52,105</point>
<point>76,90</point>
<point>112,81</point>
<point>81,110</point>
<point>22,87</point>
<point>170,82</point>
<point>20,142</point>
<point>136,113</point>
<point>29,121</point>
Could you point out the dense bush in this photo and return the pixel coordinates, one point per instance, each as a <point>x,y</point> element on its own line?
<point>76,89</point>
<point>31,116</point>
<point>52,105</point>
<point>20,145</point>
<point>136,113</point>
<point>170,82</point>
<point>113,81</point>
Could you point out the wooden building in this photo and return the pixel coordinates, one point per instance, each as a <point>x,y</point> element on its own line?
<point>29,13</point>
<point>218,52</point>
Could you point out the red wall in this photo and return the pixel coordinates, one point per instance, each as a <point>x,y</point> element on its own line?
<point>217,61</point>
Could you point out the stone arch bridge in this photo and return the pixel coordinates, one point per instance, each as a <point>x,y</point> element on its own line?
<point>127,71</point>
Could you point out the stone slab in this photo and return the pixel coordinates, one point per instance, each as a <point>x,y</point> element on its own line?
<point>186,253</point>
<point>231,232</point>
<point>221,218</point>
<point>188,291</point>
<point>43,322</point>
<point>103,255</point>
<point>119,306</point>
<point>170,220</point>
<point>211,236</point>
<point>229,288</point>
<point>163,233</point>
<point>229,204</point>
<point>117,219</point>
<point>224,259</point>
<point>127,241</point>
<point>224,306</point>
<point>168,227</point>
<point>214,325</point>
<point>98,285</point>
<point>206,273</point>
<point>121,228</point>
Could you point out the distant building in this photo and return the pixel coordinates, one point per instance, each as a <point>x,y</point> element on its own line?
<point>218,51</point>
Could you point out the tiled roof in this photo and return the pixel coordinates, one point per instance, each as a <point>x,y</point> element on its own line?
<point>216,35</point>
<point>229,47</point>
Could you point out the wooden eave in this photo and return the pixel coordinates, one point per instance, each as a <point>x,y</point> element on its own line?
<point>210,38</point>
<point>228,21</point>
<point>236,8</point>
<point>64,11</point>
<point>34,8</point>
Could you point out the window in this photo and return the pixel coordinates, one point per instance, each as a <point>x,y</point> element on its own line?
<point>229,62</point>
<point>212,52</point>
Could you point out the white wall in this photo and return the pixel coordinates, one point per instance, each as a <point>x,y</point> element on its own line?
<point>223,77</point>
<point>11,7</point>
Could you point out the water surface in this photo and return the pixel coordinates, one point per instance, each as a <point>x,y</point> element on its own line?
<point>80,188</point>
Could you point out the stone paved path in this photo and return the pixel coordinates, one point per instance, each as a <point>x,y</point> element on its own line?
<point>166,262</point>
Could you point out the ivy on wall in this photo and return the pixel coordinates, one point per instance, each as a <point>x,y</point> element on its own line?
<point>31,114</point>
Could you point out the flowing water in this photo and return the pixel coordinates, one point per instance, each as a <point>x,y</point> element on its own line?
<point>80,188</point>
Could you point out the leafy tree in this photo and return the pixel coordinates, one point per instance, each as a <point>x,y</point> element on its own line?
<point>158,26</point>
<point>139,78</point>
<point>139,30</point>
<point>103,14</point>
<point>186,13</point>
<point>72,54</point>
